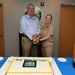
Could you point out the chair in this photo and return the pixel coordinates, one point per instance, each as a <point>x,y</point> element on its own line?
<point>20,46</point>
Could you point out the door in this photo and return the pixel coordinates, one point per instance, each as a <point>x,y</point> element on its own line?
<point>1,32</point>
<point>67,31</point>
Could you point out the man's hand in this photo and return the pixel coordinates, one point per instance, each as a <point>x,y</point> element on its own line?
<point>34,36</point>
<point>35,41</point>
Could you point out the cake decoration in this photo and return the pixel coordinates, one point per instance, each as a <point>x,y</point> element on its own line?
<point>29,63</point>
<point>30,66</point>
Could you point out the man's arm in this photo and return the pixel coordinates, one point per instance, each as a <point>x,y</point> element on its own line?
<point>24,28</point>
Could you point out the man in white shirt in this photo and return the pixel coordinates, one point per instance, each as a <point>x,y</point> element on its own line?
<point>29,27</point>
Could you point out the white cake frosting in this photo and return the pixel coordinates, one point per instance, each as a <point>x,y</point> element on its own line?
<point>43,67</point>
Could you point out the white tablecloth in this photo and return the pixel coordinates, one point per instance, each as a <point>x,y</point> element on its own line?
<point>8,61</point>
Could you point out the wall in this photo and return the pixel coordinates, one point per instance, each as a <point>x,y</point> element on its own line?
<point>12,13</point>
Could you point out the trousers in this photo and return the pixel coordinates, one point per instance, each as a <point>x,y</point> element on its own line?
<point>28,48</point>
<point>47,51</point>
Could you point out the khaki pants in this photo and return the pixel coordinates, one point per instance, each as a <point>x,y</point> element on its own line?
<point>28,48</point>
<point>47,51</point>
<point>34,50</point>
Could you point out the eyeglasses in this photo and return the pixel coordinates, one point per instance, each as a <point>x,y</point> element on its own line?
<point>31,8</point>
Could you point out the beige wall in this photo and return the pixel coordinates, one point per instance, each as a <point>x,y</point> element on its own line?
<point>12,13</point>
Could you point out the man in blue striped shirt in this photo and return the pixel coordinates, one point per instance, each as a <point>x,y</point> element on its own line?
<point>30,28</point>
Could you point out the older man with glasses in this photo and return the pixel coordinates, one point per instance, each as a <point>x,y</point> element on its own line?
<point>30,29</point>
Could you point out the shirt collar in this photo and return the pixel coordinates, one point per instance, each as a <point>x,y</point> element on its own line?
<point>46,26</point>
<point>30,17</point>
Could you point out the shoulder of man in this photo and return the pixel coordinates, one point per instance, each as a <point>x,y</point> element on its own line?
<point>36,18</point>
<point>24,17</point>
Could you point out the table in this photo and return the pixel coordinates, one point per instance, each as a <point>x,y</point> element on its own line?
<point>3,61</point>
<point>65,68</point>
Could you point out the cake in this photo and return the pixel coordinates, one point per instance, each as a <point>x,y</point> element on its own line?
<point>29,66</point>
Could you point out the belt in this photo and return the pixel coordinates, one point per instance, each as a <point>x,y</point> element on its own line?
<point>24,36</point>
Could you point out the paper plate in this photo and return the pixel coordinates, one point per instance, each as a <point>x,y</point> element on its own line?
<point>62,59</point>
<point>1,58</point>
